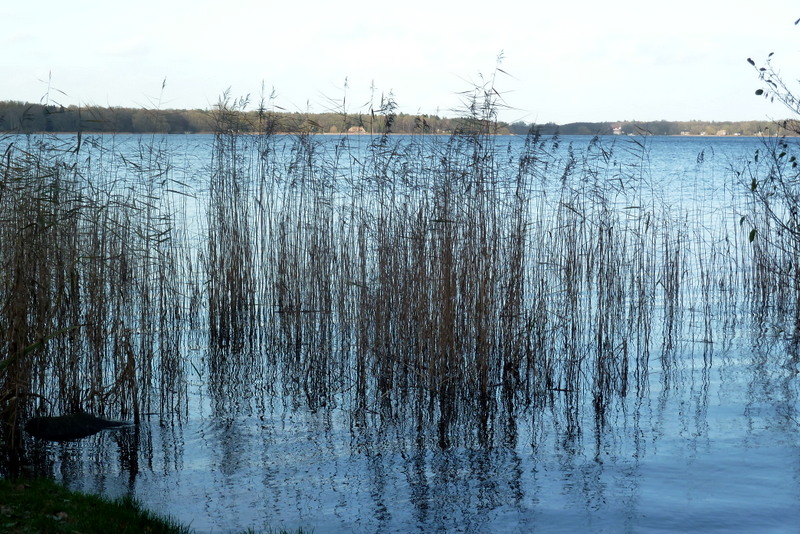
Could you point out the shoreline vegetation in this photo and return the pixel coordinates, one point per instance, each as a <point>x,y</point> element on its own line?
<point>25,117</point>
<point>43,505</point>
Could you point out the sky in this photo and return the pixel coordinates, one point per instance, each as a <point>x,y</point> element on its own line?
<point>556,61</point>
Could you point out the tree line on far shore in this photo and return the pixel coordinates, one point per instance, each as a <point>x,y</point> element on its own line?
<point>23,117</point>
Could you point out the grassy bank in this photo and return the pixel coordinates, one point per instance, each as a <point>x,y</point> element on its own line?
<point>41,505</point>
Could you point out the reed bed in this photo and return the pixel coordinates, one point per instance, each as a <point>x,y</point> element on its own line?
<point>771,216</point>
<point>444,284</point>
<point>92,281</point>
<point>441,282</point>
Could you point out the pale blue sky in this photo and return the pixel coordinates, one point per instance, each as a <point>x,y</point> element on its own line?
<point>567,60</point>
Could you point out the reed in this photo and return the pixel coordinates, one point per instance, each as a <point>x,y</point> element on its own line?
<point>451,283</point>
<point>90,291</point>
<point>772,224</point>
<point>438,279</point>
<point>453,295</point>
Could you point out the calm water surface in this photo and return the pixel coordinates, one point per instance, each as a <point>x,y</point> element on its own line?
<point>708,443</point>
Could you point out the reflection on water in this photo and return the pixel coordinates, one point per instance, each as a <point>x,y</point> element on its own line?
<point>706,448</point>
<point>502,356</point>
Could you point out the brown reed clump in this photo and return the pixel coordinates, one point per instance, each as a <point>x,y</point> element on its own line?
<point>436,280</point>
<point>90,295</point>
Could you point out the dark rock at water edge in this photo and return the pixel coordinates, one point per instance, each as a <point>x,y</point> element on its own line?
<point>69,427</point>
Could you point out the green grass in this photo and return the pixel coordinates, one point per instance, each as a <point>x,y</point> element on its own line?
<point>41,506</point>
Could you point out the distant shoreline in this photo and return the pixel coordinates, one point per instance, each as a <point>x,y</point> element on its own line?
<point>18,117</point>
<point>392,134</point>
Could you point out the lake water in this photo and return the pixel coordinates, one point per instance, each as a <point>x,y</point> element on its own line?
<point>706,439</point>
